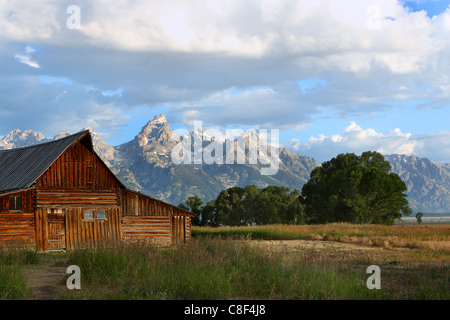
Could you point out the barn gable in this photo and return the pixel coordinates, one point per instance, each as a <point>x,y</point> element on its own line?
<point>20,168</point>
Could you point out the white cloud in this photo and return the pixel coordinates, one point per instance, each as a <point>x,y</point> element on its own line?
<point>190,53</point>
<point>357,140</point>
<point>26,58</point>
<point>257,107</point>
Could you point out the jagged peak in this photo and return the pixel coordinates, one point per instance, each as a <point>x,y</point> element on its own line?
<point>157,129</point>
<point>17,139</point>
<point>158,119</point>
<point>62,134</point>
<point>20,133</point>
<point>90,129</point>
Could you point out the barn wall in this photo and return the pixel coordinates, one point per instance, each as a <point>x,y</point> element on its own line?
<point>135,204</point>
<point>92,233</point>
<point>78,231</point>
<point>172,225</point>
<point>73,198</point>
<point>77,181</point>
<point>17,227</point>
<point>154,229</point>
<point>78,168</point>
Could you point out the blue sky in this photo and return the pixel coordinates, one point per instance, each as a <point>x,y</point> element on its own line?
<point>433,8</point>
<point>332,76</point>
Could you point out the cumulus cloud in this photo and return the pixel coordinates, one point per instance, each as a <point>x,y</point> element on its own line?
<point>227,63</point>
<point>256,107</point>
<point>66,106</point>
<point>357,140</point>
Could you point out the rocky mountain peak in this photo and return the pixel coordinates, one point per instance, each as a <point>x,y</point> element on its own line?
<point>145,164</point>
<point>19,139</point>
<point>62,134</point>
<point>156,130</point>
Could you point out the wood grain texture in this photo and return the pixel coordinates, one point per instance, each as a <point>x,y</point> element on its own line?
<point>52,216</point>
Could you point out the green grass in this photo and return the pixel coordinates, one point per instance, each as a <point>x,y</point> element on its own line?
<point>13,284</point>
<point>213,266</point>
<point>209,269</point>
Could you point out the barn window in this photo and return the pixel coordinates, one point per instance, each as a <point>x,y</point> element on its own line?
<point>15,203</point>
<point>94,214</point>
<point>89,214</point>
<point>101,214</point>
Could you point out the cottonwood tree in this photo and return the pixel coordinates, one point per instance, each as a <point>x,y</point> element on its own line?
<point>355,189</point>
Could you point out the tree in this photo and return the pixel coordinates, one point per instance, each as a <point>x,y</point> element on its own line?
<point>419,216</point>
<point>356,189</point>
<point>193,204</point>
<point>238,206</point>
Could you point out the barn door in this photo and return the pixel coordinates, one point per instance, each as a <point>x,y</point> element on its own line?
<point>178,229</point>
<point>56,231</point>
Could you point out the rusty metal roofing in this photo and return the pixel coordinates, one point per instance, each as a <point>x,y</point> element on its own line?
<point>20,168</point>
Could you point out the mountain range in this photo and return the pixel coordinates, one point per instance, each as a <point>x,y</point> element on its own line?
<point>146,164</point>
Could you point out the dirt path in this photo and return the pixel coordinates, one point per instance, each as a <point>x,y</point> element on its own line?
<point>47,280</point>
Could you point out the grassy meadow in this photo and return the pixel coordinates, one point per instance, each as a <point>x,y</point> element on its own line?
<point>13,284</point>
<point>434,237</point>
<point>277,262</point>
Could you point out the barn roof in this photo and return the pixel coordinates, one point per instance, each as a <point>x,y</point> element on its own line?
<point>20,168</point>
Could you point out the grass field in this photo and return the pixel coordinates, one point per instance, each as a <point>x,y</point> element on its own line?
<point>267,263</point>
<point>434,237</point>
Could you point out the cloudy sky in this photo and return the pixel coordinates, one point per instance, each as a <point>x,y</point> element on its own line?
<point>332,76</point>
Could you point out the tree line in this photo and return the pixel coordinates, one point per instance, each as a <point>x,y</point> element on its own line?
<point>348,188</point>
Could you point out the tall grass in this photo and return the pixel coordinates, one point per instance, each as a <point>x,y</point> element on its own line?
<point>209,269</point>
<point>13,284</point>
<point>434,237</point>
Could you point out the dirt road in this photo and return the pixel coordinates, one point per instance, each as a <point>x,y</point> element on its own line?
<point>47,281</point>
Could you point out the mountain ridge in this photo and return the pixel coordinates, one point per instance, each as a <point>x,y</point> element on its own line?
<point>145,164</point>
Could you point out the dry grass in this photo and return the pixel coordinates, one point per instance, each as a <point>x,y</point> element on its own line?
<point>432,237</point>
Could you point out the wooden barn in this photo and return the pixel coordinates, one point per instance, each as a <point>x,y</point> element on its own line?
<point>60,195</point>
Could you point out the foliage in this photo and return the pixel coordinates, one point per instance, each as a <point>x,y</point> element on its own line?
<point>355,189</point>
<point>419,216</point>
<point>13,284</point>
<point>238,206</point>
<point>193,204</point>
<point>348,188</point>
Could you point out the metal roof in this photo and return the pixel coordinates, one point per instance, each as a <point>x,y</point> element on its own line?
<point>20,168</point>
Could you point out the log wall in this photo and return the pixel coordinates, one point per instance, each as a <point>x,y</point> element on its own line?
<point>139,211</point>
<point>78,231</point>
<point>17,227</point>
<point>92,232</point>
<point>77,181</point>
<point>135,204</point>
<point>76,198</point>
<point>78,168</point>
<point>153,229</point>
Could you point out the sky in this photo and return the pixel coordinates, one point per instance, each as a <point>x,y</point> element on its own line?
<point>331,76</point>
